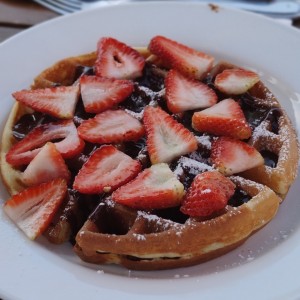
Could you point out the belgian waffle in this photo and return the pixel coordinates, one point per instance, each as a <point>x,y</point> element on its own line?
<point>104,231</point>
<point>147,241</point>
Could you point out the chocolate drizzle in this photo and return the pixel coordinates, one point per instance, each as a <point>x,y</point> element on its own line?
<point>28,122</point>
<point>255,114</point>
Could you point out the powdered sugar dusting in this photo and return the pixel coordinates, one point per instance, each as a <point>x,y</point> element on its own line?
<point>109,202</point>
<point>195,167</point>
<point>139,237</point>
<point>206,191</point>
<point>262,131</point>
<point>242,181</point>
<point>161,223</point>
<point>152,94</point>
<point>138,116</point>
<point>204,140</point>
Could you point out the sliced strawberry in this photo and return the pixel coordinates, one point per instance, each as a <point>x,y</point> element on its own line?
<point>106,170</point>
<point>63,134</point>
<point>99,94</point>
<point>208,194</point>
<point>231,156</point>
<point>59,102</point>
<point>156,187</point>
<point>177,56</point>
<point>111,126</point>
<point>47,165</point>
<point>117,60</point>
<point>34,208</point>
<point>235,81</point>
<point>225,118</point>
<point>184,93</point>
<point>166,138</point>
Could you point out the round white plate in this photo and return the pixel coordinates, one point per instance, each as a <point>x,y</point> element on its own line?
<point>267,265</point>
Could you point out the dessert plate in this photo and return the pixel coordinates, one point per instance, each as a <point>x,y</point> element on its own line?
<point>267,265</point>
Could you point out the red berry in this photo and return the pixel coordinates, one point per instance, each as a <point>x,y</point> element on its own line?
<point>166,138</point>
<point>184,93</point>
<point>208,194</point>
<point>174,55</point>
<point>117,60</point>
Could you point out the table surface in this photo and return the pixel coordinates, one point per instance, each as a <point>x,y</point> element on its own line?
<point>18,15</point>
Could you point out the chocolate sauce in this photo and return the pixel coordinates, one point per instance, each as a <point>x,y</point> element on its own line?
<point>28,122</point>
<point>239,197</point>
<point>137,101</point>
<point>83,70</point>
<point>270,158</point>
<point>209,81</point>
<point>75,164</point>
<point>255,114</point>
<point>152,78</point>
<point>116,219</point>
<point>137,150</point>
<point>80,114</point>
<point>173,214</point>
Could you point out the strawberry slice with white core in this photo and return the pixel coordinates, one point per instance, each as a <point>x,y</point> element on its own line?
<point>99,94</point>
<point>117,60</point>
<point>186,60</point>
<point>208,194</point>
<point>166,138</point>
<point>232,156</point>
<point>33,209</point>
<point>106,170</point>
<point>236,81</point>
<point>63,134</point>
<point>111,126</point>
<point>183,93</point>
<point>225,118</point>
<point>156,187</point>
<point>59,102</point>
<point>47,165</point>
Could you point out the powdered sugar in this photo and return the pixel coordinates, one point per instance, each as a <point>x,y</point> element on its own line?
<point>206,191</point>
<point>139,237</point>
<point>195,167</point>
<point>204,140</point>
<point>242,181</point>
<point>160,222</point>
<point>262,131</point>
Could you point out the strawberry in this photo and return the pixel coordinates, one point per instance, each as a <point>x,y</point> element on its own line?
<point>166,138</point>
<point>208,194</point>
<point>111,126</point>
<point>47,165</point>
<point>106,170</point>
<point>224,118</point>
<point>117,60</point>
<point>184,93</point>
<point>156,187</point>
<point>235,81</point>
<point>63,134</point>
<point>177,56</point>
<point>231,156</point>
<point>99,94</point>
<point>59,102</point>
<point>34,208</point>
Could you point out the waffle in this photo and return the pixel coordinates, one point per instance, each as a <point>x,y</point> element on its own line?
<point>106,232</point>
<point>146,241</point>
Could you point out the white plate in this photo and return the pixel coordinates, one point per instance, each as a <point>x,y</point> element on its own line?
<point>267,265</point>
